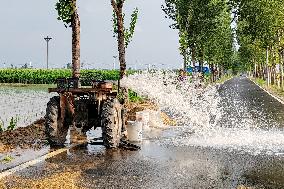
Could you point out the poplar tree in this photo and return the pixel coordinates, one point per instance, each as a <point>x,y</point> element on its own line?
<point>68,13</point>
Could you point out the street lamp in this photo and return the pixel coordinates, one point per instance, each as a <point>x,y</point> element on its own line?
<point>47,39</point>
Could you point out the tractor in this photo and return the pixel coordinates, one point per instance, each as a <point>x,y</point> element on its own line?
<point>84,108</point>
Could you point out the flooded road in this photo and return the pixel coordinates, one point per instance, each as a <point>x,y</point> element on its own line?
<point>245,149</point>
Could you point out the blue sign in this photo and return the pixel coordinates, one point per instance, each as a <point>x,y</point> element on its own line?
<point>198,69</point>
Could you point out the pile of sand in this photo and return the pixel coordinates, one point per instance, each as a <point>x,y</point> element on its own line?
<point>132,108</point>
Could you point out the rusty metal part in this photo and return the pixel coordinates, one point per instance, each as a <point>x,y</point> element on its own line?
<point>73,83</point>
<point>102,85</point>
<point>61,83</point>
<point>82,91</point>
<point>67,104</point>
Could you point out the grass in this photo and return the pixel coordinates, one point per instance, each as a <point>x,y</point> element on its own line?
<point>272,88</point>
<point>133,97</point>
<point>260,81</point>
<point>224,78</point>
<point>7,159</point>
<point>1,126</point>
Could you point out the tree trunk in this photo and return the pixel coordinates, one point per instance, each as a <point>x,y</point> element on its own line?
<point>279,75</point>
<point>75,23</point>
<point>121,40</point>
<point>193,57</point>
<point>212,72</point>
<point>282,74</point>
<point>255,70</point>
<point>267,67</point>
<point>117,7</point>
<point>201,63</point>
<point>184,61</point>
<point>221,71</point>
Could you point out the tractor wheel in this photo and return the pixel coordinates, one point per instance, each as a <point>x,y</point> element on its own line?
<point>111,122</point>
<point>56,131</point>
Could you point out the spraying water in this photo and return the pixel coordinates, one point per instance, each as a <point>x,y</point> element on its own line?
<point>208,117</point>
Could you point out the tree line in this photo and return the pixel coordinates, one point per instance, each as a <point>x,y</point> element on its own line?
<point>260,35</point>
<point>205,32</point>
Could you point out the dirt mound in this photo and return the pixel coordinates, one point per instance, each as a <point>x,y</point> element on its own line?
<point>167,120</point>
<point>132,108</point>
<point>32,136</point>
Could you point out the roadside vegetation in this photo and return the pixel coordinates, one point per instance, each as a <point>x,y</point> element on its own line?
<point>7,159</point>
<point>260,36</point>
<point>225,78</point>
<point>49,76</point>
<point>274,89</point>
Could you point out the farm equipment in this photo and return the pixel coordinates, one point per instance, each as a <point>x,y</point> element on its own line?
<point>84,108</point>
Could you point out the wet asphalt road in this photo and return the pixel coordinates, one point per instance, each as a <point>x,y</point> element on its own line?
<point>158,165</point>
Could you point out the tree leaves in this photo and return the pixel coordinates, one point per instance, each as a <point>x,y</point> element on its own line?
<point>204,26</point>
<point>128,32</point>
<point>65,9</point>
<point>260,25</point>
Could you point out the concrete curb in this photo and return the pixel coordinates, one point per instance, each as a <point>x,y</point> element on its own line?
<point>272,95</point>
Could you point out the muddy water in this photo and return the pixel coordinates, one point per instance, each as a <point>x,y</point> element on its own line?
<point>22,104</point>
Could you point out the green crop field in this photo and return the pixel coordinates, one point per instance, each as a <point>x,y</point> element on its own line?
<point>44,76</point>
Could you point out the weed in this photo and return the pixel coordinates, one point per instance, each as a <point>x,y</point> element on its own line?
<point>224,78</point>
<point>12,124</point>
<point>7,159</point>
<point>1,126</point>
<point>260,81</point>
<point>133,97</point>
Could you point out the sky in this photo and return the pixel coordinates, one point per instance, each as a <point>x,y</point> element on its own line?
<point>26,23</point>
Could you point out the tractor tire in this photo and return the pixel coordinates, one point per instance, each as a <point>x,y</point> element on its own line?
<point>55,129</point>
<point>111,122</point>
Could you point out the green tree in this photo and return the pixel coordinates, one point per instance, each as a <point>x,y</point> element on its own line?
<point>68,13</point>
<point>123,34</point>
<point>260,36</point>
<point>204,30</point>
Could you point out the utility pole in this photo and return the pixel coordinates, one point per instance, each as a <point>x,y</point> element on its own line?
<point>47,39</point>
<point>114,57</point>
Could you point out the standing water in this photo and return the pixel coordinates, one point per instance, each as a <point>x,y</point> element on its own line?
<point>212,116</point>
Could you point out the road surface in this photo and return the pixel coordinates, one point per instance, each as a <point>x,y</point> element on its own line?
<point>162,165</point>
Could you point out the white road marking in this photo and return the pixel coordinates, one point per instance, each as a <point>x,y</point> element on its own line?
<point>33,162</point>
<point>275,97</point>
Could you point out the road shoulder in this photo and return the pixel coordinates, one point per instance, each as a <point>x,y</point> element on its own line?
<point>272,93</point>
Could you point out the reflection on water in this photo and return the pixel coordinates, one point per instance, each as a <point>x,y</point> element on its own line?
<point>159,166</point>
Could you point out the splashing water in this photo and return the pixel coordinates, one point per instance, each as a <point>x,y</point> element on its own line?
<point>200,112</point>
<point>186,103</point>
